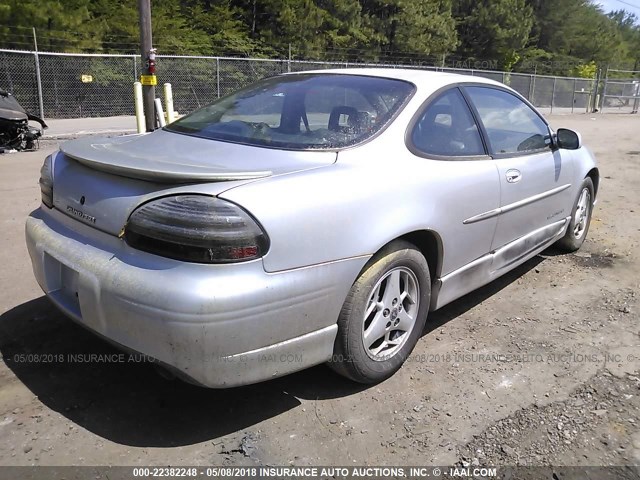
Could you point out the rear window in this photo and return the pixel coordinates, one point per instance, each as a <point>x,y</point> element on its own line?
<point>300,112</point>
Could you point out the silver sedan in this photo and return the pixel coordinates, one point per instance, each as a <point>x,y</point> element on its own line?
<point>308,218</point>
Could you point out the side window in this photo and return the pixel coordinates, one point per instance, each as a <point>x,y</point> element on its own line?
<point>447,128</point>
<point>511,125</point>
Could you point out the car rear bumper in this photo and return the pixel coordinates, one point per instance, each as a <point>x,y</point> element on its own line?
<point>218,325</point>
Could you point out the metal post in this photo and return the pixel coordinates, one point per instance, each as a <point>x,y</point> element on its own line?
<point>596,99</point>
<point>289,60</point>
<point>532,85</point>
<point>218,75</point>
<point>553,94</point>
<point>159,113</point>
<point>573,97</point>
<point>636,93</point>
<point>146,46</point>
<point>36,58</point>
<point>135,68</point>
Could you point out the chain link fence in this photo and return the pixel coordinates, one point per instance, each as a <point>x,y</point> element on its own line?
<point>621,92</point>
<point>107,88</point>
<point>19,77</point>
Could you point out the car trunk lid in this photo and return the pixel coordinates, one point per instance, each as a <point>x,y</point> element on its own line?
<point>168,157</point>
<point>100,181</point>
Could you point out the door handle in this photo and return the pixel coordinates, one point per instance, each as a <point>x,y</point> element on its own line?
<point>513,176</point>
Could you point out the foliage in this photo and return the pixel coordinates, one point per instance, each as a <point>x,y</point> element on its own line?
<point>568,37</point>
<point>409,28</point>
<point>576,32</point>
<point>495,29</point>
<point>586,70</point>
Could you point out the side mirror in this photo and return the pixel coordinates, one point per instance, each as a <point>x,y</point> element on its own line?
<point>568,139</point>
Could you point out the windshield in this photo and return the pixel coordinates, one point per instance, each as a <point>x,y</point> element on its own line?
<point>300,112</point>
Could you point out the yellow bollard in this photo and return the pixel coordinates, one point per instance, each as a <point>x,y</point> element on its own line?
<point>137,96</point>
<point>168,101</point>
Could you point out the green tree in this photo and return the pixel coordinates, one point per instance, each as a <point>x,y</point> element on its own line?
<point>314,29</point>
<point>596,38</point>
<point>550,37</point>
<point>60,25</point>
<point>411,28</point>
<point>173,30</point>
<point>629,26</point>
<point>225,23</point>
<point>345,31</point>
<point>117,22</point>
<point>581,34</point>
<point>493,29</point>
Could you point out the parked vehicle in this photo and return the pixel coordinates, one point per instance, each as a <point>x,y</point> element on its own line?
<point>308,218</point>
<point>15,131</point>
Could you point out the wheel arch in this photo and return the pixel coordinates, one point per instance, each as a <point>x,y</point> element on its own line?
<point>428,242</point>
<point>594,175</point>
<point>430,245</point>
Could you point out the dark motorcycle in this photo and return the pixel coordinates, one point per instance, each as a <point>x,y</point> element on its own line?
<point>15,131</point>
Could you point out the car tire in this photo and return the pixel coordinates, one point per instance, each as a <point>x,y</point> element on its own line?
<point>390,300</point>
<point>580,218</point>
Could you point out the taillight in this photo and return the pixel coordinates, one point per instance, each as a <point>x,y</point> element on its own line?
<point>196,228</point>
<point>46,181</point>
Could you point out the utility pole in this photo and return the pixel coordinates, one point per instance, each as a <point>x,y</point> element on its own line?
<point>148,57</point>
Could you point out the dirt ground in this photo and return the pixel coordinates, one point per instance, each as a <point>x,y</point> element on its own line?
<point>540,367</point>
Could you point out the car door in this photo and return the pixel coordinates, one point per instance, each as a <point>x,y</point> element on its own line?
<point>462,182</point>
<point>535,180</point>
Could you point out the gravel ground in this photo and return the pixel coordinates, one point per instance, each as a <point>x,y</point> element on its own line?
<point>540,367</point>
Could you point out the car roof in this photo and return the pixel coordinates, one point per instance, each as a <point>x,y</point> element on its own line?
<point>416,76</point>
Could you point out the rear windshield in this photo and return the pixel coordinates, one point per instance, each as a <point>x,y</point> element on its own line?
<point>300,112</point>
